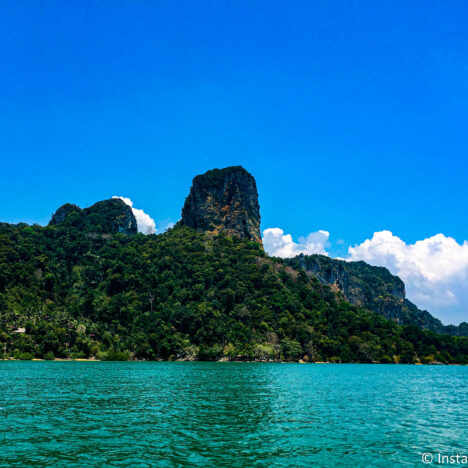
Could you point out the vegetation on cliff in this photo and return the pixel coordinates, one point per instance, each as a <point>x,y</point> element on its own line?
<point>224,200</point>
<point>82,287</point>
<point>104,217</point>
<point>184,294</point>
<point>373,288</point>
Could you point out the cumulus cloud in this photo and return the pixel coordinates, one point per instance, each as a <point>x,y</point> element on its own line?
<point>435,270</point>
<point>279,244</point>
<point>145,223</point>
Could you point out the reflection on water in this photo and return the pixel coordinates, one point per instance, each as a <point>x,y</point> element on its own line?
<point>228,414</point>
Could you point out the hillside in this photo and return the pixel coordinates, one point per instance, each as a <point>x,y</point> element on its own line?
<point>107,216</point>
<point>80,288</point>
<point>373,288</point>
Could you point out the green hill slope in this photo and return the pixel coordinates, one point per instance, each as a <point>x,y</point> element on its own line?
<point>184,294</point>
<point>373,288</point>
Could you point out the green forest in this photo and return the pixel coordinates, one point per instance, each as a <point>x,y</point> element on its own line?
<point>81,293</point>
<point>373,288</point>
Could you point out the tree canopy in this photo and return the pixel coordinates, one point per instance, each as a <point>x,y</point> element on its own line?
<point>184,295</point>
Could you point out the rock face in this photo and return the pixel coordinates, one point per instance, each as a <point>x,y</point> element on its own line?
<point>224,200</point>
<point>373,288</point>
<point>60,215</point>
<point>105,217</point>
<point>363,285</point>
<point>113,216</point>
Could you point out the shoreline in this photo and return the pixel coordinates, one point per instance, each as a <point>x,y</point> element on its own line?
<point>224,360</point>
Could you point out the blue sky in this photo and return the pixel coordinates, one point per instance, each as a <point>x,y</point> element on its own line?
<point>351,115</point>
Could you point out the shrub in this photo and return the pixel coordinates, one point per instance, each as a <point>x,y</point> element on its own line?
<point>386,360</point>
<point>210,353</point>
<point>116,356</point>
<point>291,350</point>
<point>24,356</point>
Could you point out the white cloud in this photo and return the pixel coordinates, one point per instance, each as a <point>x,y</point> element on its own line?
<point>278,244</point>
<point>145,223</point>
<point>435,270</point>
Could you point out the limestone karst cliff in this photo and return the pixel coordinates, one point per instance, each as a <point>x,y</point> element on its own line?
<point>224,200</point>
<point>81,288</point>
<point>108,217</point>
<point>60,215</point>
<point>373,288</point>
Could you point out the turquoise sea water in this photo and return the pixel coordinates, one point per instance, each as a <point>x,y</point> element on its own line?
<point>229,414</point>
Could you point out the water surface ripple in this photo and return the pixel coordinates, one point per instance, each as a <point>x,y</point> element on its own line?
<point>142,414</point>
